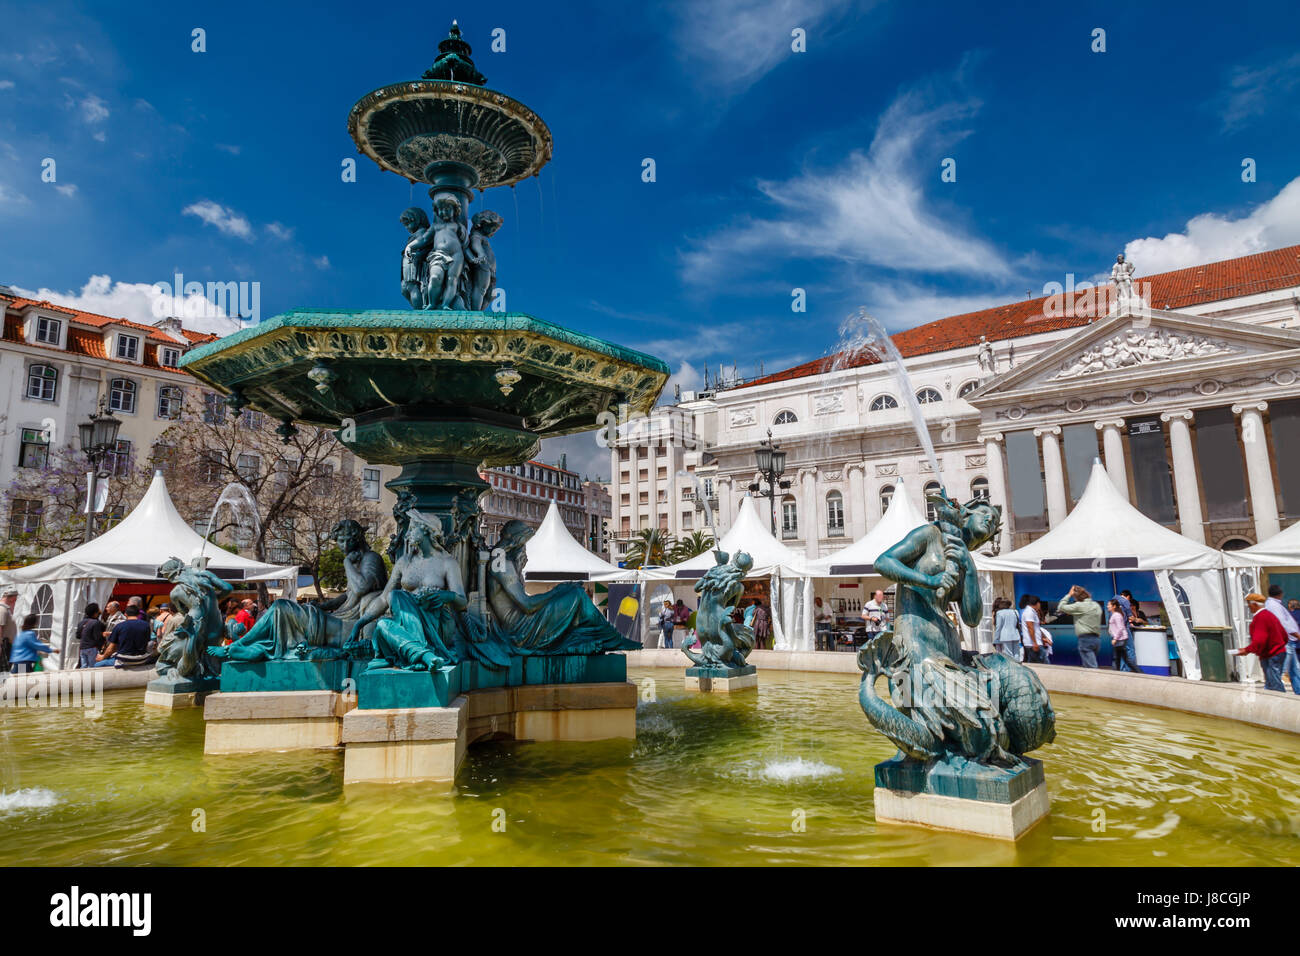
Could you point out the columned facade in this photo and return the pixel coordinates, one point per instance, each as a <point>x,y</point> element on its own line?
<point>1259,470</point>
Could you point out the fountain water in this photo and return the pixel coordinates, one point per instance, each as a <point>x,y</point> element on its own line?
<point>241,503</point>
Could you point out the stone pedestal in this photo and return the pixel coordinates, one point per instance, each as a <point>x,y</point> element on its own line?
<point>241,677</point>
<point>722,680</point>
<point>274,720</point>
<point>405,744</point>
<point>966,797</point>
<point>179,694</point>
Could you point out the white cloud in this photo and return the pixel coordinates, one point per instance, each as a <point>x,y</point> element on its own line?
<point>1211,237</point>
<point>903,305</point>
<point>690,378</point>
<point>733,44</point>
<point>870,210</point>
<point>1251,91</point>
<point>6,84</point>
<point>69,190</point>
<point>279,230</point>
<point>583,455</point>
<point>227,148</point>
<point>321,262</point>
<point>11,196</point>
<point>136,301</point>
<point>222,217</point>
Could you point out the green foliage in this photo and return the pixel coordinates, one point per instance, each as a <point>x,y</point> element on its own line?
<point>652,547</point>
<point>329,572</point>
<point>697,542</point>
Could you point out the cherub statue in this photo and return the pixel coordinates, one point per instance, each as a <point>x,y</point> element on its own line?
<point>414,267</point>
<point>483,269</point>
<point>723,643</point>
<point>446,261</point>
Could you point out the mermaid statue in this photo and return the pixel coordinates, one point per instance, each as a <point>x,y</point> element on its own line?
<point>723,643</point>
<point>991,711</point>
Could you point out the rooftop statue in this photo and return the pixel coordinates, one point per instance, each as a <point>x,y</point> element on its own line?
<point>723,643</point>
<point>1121,273</point>
<point>991,711</point>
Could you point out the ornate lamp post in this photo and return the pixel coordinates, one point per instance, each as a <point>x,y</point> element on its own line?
<point>771,465</point>
<point>98,438</point>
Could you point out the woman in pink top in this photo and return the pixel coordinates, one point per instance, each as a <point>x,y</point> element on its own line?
<point>1121,650</point>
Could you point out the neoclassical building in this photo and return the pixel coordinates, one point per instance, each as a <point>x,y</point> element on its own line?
<point>1187,391</point>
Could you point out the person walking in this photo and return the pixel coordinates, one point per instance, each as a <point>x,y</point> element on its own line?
<point>1267,641</point>
<point>1123,657</point>
<point>1086,612</point>
<point>1031,628</point>
<point>666,623</point>
<point>1274,605</point>
<point>90,636</point>
<point>1006,629</point>
<point>28,647</point>
<point>8,625</point>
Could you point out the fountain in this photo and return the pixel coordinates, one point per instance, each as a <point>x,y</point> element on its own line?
<point>442,389</point>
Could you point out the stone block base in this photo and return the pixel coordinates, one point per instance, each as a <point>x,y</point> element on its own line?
<point>404,745</point>
<point>274,720</point>
<point>716,680</point>
<point>178,694</point>
<point>261,676</point>
<point>1002,821</point>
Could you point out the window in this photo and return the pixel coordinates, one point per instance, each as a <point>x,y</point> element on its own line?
<point>789,518</point>
<point>886,496</point>
<point>118,461</point>
<point>210,469</point>
<point>967,388</point>
<point>256,421</point>
<point>931,510</point>
<point>162,455</point>
<point>42,382</point>
<point>169,401</point>
<point>279,552</point>
<point>214,409</point>
<point>883,403</point>
<point>370,484</point>
<point>114,516</point>
<point>34,452</point>
<point>168,357</point>
<point>835,515</point>
<point>47,331</point>
<point>43,608</point>
<point>785,417</point>
<point>24,516</point>
<point>128,347</point>
<point>708,487</point>
<point>979,488</point>
<point>929,396</point>
<point>248,467</point>
<point>121,395</point>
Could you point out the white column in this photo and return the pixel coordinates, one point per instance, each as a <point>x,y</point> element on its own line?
<point>858,500</point>
<point>997,472</point>
<point>811,520</point>
<point>1259,470</point>
<point>1112,443</point>
<point>722,519</point>
<point>1191,520</point>
<point>1053,474</point>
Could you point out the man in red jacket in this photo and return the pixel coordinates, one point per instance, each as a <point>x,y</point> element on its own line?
<point>1267,641</point>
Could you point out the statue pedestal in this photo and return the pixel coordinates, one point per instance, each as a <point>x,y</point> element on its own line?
<point>413,744</point>
<point>722,680</point>
<point>179,694</point>
<point>962,796</point>
<point>274,720</point>
<point>242,677</point>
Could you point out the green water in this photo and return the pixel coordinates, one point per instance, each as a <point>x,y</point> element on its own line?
<point>710,780</point>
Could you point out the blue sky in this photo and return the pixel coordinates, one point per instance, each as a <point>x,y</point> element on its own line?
<point>775,169</point>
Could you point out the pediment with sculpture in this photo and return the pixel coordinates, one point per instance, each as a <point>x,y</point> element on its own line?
<point>1135,346</point>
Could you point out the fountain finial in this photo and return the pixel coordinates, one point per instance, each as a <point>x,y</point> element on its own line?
<point>453,62</point>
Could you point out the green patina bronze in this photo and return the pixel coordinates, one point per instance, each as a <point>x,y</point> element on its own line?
<point>724,644</point>
<point>443,391</point>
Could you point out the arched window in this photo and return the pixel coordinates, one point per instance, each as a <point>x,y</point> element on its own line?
<point>43,608</point>
<point>789,517</point>
<point>169,401</point>
<point>929,396</point>
<point>883,403</point>
<point>979,488</point>
<point>834,514</point>
<point>121,395</point>
<point>931,511</point>
<point>42,382</point>
<point>886,496</point>
<point>785,417</point>
<point>1234,544</point>
<point>967,388</point>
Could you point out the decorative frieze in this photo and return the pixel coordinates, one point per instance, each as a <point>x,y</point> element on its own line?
<point>1142,347</point>
<point>743,417</point>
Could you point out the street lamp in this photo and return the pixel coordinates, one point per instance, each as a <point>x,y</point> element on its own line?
<point>771,466</point>
<point>98,438</point>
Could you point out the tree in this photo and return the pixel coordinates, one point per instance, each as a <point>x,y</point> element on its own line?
<point>652,546</point>
<point>697,542</point>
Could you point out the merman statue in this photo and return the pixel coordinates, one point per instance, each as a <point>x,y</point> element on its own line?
<point>723,643</point>
<point>196,602</point>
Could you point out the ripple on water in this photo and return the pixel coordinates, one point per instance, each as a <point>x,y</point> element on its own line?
<point>27,798</point>
<point>785,770</point>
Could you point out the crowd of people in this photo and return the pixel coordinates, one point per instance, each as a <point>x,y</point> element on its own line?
<point>678,617</point>
<point>1020,633</point>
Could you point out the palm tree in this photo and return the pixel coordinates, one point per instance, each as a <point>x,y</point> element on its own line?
<point>697,542</point>
<point>651,547</point>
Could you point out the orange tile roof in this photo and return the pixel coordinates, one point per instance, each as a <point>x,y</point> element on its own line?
<point>1211,282</point>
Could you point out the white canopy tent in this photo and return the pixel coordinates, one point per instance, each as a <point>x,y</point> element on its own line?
<point>59,587</point>
<point>1106,533</point>
<point>1282,550</point>
<point>858,559</point>
<point>553,555</point>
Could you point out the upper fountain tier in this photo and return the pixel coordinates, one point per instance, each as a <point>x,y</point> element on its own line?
<point>448,128</point>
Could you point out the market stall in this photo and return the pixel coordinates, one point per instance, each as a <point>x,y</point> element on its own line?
<point>1106,545</point>
<point>58,588</point>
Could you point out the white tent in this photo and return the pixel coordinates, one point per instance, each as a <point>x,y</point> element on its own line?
<point>59,587</point>
<point>748,533</point>
<point>553,555</point>
<point>859,558</point>
<point>1282,550</point>
<point>1106,533</point>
